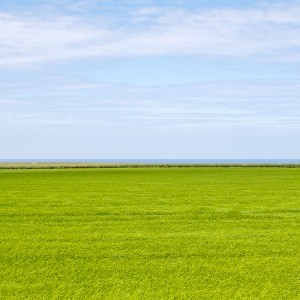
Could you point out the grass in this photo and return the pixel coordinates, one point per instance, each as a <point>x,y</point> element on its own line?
<point>150,233</point>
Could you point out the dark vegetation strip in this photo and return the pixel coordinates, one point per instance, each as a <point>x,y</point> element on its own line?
<point>124,165</point>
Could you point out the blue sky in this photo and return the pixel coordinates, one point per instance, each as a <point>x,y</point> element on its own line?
<point>149,79</point>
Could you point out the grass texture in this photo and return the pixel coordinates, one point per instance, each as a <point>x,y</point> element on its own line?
<point>150,233</point>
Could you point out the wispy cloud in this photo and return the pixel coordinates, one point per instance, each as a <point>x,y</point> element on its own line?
<point>214,104</point>
<point>269,32</point>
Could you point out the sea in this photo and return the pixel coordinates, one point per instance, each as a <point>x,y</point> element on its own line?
<point>159,161</point>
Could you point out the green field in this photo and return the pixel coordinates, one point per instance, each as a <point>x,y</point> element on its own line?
<point>150,233</point>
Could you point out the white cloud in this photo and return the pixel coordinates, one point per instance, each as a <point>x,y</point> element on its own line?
<point>269,32</point>
<point>26,39</point>
<point>9,102</point>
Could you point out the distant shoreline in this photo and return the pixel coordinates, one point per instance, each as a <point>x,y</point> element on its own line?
<point>157,160</point>
<point>94,165</point>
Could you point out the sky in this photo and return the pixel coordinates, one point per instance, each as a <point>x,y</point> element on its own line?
<point>149,79</point>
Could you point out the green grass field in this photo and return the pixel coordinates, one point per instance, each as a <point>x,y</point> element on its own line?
<point>150,233</point>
